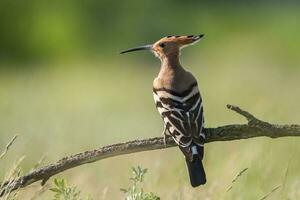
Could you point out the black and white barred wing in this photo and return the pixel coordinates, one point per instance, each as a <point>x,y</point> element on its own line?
<point>182,114</point>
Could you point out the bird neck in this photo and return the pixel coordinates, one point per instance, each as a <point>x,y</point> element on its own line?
<point>170,63</point>
<point>170,66</point>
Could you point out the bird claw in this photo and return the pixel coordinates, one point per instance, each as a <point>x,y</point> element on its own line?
<point>164,135</point>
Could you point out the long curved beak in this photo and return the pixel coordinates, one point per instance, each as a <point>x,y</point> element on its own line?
<point>144,47</point>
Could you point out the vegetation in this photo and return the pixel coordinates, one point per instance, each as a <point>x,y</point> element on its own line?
<point>134,192</point>
<point>64,192</point>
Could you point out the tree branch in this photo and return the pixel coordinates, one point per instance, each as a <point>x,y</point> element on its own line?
<point>254,128</point>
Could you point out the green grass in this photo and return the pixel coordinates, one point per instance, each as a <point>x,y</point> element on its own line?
<point>58,113</point>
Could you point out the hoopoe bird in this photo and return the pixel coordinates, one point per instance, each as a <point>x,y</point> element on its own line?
<point>178,101</point>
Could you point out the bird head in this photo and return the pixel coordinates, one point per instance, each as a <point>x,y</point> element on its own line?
<point>168,46</point>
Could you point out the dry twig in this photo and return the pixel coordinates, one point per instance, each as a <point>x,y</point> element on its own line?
<point>8,146</point>
<point>236,178</point>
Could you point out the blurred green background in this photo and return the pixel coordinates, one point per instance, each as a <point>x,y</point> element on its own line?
<point>64,89</point>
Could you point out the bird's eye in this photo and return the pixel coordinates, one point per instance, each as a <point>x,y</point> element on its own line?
<point>162,45</point>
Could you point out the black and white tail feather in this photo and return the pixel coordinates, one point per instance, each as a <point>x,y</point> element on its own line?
<point>183,117</point>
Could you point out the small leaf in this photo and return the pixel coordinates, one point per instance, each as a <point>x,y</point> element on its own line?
<point>123,190</point>
<point>55,190</point>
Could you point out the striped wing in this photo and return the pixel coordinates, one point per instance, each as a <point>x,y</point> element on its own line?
<point>182,114</point>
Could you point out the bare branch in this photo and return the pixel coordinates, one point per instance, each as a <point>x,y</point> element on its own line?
<point>248,116</point>
<point>254,128</point>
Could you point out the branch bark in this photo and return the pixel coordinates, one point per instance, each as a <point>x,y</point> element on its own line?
<point>254,128</point>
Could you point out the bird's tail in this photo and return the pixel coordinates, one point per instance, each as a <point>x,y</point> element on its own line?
<point>193,158</point>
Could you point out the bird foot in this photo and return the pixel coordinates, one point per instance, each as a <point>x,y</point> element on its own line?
<point>164,133</point>
<point>165,142</point>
